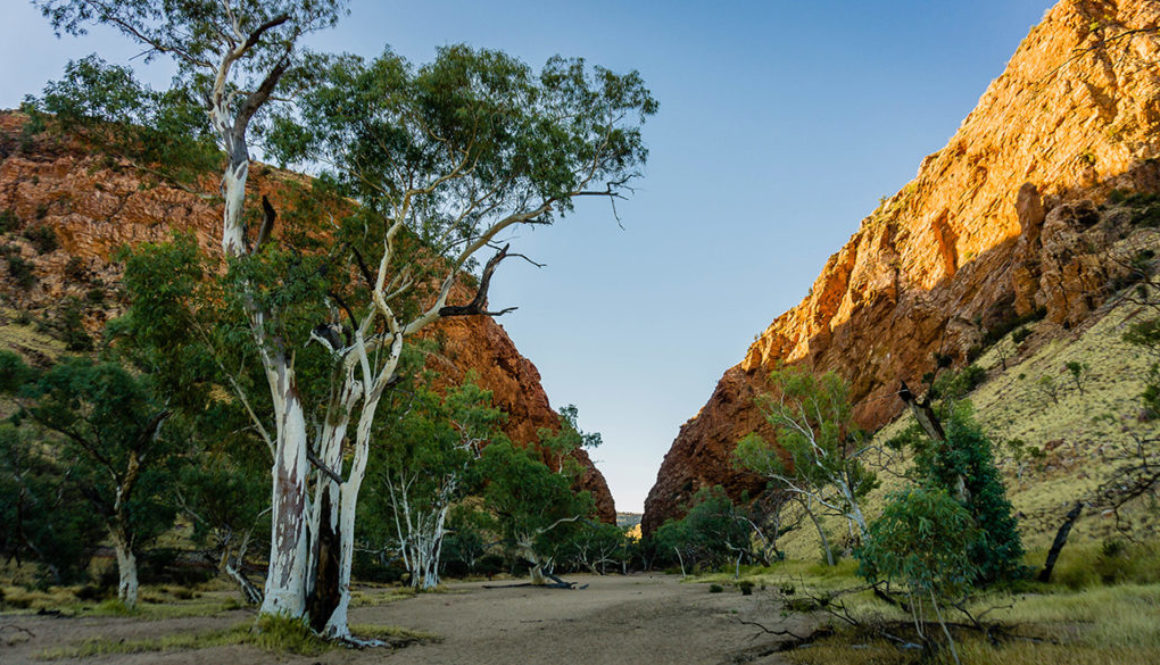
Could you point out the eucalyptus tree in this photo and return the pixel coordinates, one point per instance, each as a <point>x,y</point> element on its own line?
<point>442,160</point>
<point>534,509</point>
<point>43,516</point>
<point>422,468</point>
<point>108,426</point>
<point>813,420</point>
<point>234,56</point>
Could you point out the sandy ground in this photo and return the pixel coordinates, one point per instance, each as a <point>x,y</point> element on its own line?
<point>639,619</point>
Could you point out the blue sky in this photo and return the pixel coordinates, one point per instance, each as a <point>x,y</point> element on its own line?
<point>781,125</point>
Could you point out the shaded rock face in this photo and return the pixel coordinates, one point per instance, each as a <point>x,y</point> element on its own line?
<point>1000,222</point>
<point>94,208</point>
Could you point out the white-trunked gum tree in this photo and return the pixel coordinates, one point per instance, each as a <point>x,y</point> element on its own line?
<point>438,163</point>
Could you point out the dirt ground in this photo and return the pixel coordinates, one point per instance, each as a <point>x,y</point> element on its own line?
<point>639,619</point>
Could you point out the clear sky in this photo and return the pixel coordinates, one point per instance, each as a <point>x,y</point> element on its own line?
<point>781,125</point>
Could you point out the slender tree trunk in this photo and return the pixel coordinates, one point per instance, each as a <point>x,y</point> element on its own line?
<point>950,640</point>
<point>127,584</point>
<point>336,624</point>
<point>821,535</point>
<point>1059,542</point>
<point>250,593</point>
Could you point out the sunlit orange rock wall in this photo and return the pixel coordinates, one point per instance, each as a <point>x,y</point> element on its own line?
<point>1074,115</point>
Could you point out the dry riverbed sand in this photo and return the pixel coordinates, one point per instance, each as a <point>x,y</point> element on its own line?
<point>638,619</point>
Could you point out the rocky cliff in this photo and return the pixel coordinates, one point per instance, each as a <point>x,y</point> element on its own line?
<point>94,206</point>
<point>1000,223</point>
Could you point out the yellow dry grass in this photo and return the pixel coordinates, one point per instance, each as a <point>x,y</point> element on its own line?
<point>1078,433</point>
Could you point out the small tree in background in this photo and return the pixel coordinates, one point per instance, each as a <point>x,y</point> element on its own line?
<point>712,533</point>
<point>594,545</point>
<point>567,438</point>
<point>813,420</point>
<point>108,426</point>
<point>43,516</point>
<point>422,468</point>
<point>225,500</point>
<point>532,508</point>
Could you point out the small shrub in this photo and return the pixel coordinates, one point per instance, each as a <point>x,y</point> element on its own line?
<point>21,271</point>
<point>1148,217</point>
<point>1021,334</point>
<point>746,587</point>
<point>8,221</point>
<point>716,588</point>
<point>75,269</point>
<point>42,237</point>
<point>956,385</point>
<point>71,325</point>
<point>91,592</point>
<point>1079,373</point>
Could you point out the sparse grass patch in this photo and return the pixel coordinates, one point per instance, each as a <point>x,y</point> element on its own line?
<point>374,598</point>
<point>271,634</point>
<point>274,634</point>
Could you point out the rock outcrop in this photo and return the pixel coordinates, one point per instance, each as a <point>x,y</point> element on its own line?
<point>94,207</point>
<point>1000,223</point>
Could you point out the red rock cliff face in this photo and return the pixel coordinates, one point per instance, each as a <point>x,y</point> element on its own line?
<point>1001,220</point>
<point>94,209</point>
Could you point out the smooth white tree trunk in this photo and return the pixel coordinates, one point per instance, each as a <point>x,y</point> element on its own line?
<point>127,585</point>
<point>285,592</point>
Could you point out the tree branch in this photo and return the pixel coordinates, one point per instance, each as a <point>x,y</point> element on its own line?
<point>476,306</point>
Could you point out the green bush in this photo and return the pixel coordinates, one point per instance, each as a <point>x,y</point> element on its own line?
<point>71,326</point>
<point>8,221</point>
<point>956,385</point>
<point>21,271</point>
<point>716,588</point>
<point>964,466</point>
<point>42,237</point>
<point>1019,335</point>
<point>1148,217</point>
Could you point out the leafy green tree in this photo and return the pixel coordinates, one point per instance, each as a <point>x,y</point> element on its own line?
<point>466,541</point>
<point>422,467</point>
<point>713,532</point>
<point>594,545</point>
<point>533,509</point>
<point>566,439</point>
<point>813,420</point>
<point>43,516</point>
<point>923,540</point>
<point>161,133</point>
<point>108,426</point>
<point>963,464</point>
<point>225,499</point>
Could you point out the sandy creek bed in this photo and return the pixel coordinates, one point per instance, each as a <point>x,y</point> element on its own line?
<point>639,619</point>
